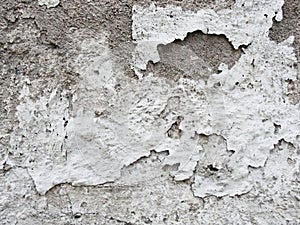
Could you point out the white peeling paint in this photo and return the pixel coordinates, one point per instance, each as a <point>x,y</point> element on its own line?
<point>49,3</point>
<point>108,130</point>
<point>151,26</point>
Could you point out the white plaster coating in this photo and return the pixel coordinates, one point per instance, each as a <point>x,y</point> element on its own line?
<point>241,25</point>
<point>49,3</point>
<point>108,130</point>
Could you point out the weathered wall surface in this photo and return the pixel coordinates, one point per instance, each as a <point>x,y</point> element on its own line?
<point>141,112</point>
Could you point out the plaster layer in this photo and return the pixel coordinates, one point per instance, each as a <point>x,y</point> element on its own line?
<point>86,143</point>
<point>49,3</point>
<point>241,25</point>
<point>106,129</point>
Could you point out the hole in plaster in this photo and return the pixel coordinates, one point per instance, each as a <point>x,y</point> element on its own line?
<point>83,204</point>
<point>231,152</point>
<point>277,127</point>
<point>77,215</point>
<point>173,167</point>
<point>284,144</point>
<point>196,57</point>
<point>250,86</point>
<point>174,131</point>
<point>212,168</point>
<point>291,161</point>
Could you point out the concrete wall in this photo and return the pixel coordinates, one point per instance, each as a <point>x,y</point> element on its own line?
<point>142,112</point>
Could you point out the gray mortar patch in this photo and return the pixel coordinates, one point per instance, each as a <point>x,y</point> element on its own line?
<point>118,20</point>
<point>280,31</point>
<point>196,57</point>
<point>56,25</point>
<point>113,16</point>
<point>290,25</point>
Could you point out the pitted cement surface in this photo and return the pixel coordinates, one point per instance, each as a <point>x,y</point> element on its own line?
<point>131,112</point>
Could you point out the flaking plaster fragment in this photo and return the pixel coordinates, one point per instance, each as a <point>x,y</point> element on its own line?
<point>49,3</point>
<point>288,26</point>
<point>241,101</point>
<point>214,175</point>
<point>157,25</point>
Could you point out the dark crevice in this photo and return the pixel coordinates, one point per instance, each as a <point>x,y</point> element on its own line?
<point>282,142</point>
<point>174,131</point>
<point>277,127</point>
<point>153,155</point>
<point>293,91</point>
<point>212,168</point>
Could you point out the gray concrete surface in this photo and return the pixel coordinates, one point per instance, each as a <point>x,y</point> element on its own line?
<point>86,139</point>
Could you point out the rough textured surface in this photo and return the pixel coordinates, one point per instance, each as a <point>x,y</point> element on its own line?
<point>197,47</point>
<point>241,25</point>
<point>49,3</point>
<point>289,26</point>
<point>93,132</point>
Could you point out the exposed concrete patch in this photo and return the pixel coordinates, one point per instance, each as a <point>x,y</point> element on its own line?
<point>175,132</point>
<point>280,31</point>
<point>17,71</point>
<point>215,88</point>
<point>197,57</point>
<point>288,26</point>
<point>150,199</point>
<point>153,26</point>
<point>214,47</point>
<point>115,17</point>
<point>31,76</point>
